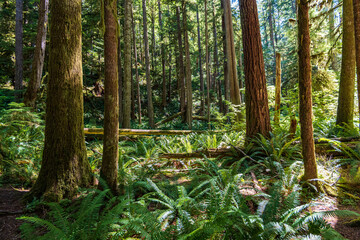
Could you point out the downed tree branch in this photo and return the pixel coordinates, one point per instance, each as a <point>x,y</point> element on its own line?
<point>169,119</point>
<point>138,132</point>
<point>202,118</point>
<point>210,153</point>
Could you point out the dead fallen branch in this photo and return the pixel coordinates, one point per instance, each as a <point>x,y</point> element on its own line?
<point>209,153</point>
<point>169,119</point>
<point>139,132</point>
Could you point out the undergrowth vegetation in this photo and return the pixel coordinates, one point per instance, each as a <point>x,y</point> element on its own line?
<point>254,194</point>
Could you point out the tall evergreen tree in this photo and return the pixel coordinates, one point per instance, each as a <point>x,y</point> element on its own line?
<point>109,165</point>
<point>356,9</point>
<point>305,109</point>
<point>256,98</point>
<point>19,59</point>
<point>127,65</point>
<point>39,55</point>
<point>64,165</point>
<point>345,111</point>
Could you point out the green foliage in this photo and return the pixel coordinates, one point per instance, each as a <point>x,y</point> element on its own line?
<point>21,141</point>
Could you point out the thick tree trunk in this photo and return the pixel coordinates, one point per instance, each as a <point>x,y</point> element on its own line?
<point>189,103</point>
<point>109,167</point>
<point>64,164</point>
<point>138,96</point>
<point>277,89</point>
<point>231,57</point>
<point>127,66</point>
<point>147,66</point>
<point>356,9</point>
<point>345,111</point>
<point>39,55</point>
<point>19,47</point>
<point>305,109</point>
<point>257,109</point>
<point>164,102</point>
<point>181,74</point>
<point>202,85</point>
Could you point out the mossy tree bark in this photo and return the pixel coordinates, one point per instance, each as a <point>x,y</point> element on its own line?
<point>235,97</point>
<point>207,64</point>
<point>356,9</point>
<point>127,66</point>
<point>305,108</point>
<point>345,111</point>
<point>147,66</point>
<point>256,97</point>
<point>64,164</point>
<point>189,103</point>
<point>109,166</point>
<point>39,54</point>
<point>277,89</point>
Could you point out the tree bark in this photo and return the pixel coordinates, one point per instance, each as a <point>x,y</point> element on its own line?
<point>305,108</point>
<point>257,109</point>
<point>138,96</point>
<point>147,66</point>
<point>345,111</point>
<point>19,62</point>
<point>226,75</point>
<point>120,84</point>
<point>356,9</point>
<point>277,89</point>
<point>231,57</point>
<point>64,163</point>
<point>164,102</point>
<point>189,103</point>
<point>39,55</point>
<point>333,59</point>
<point>202,87</point>
<point>127,66</point>
<point>272,39</point>
<point>109,167</point>
<point>216,63</point>
<point>181,74</point>
<point>207,64</point>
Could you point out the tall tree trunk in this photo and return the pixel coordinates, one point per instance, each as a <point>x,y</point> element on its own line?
<point>345,111</point>
<point>272,38</point>
<point>305,109</point>
<point>127,66</point>
<point>333,61</point>
<point>109,167</point>
<point>277,89</point>
<point>188,70</point>
<point>231,57</point>
<point>181,74</point>
<point>169,82</point>
<point>356,9</point>
<point>164,102</point>
<point>256,98</point>
<point>147,66</point>
<point>202,87</point>
<point>207,64</point>
<point>138,96</point>
<point>120,85</point>
<point>64,163</point>
<point>226,75</point>
<point>39,55</point>
<point>19,62</point>
<point>153,48</point>
<point>216,62</point>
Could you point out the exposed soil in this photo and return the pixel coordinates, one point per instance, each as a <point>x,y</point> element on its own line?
<point>11,207</point>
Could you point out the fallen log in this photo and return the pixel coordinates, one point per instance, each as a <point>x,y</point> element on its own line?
<point>202,118</point>
<point>209,153</point>
<point>139,132</point>
<point>169,119</point>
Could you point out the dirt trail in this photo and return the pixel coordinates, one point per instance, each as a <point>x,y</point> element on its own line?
<point>11,207</point>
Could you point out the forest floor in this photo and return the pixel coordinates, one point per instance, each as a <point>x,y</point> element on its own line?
<point>12,207</point>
